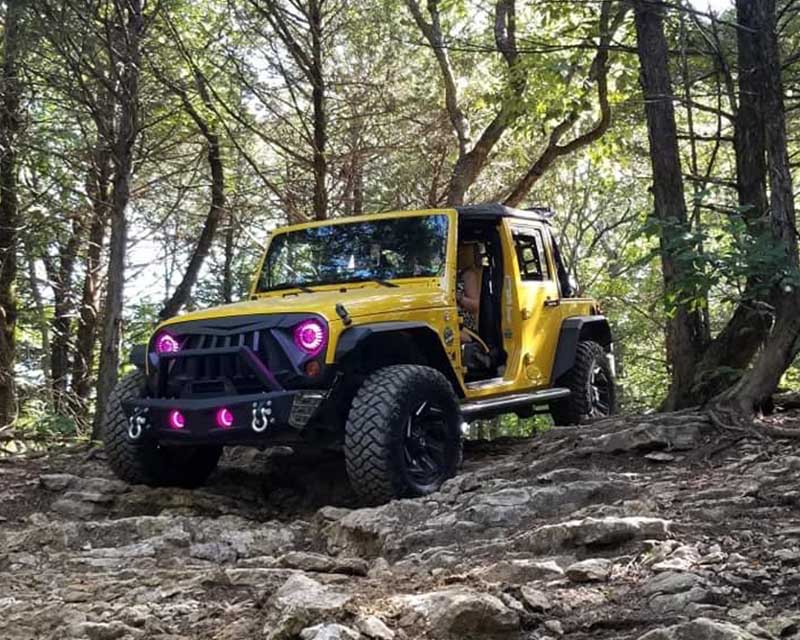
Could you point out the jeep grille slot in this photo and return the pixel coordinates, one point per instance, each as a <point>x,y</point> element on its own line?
<point>202,371</point>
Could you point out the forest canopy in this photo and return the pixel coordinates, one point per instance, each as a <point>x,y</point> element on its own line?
<point>148,148</point>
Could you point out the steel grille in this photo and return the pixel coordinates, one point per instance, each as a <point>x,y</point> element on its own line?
<point>209,367</point>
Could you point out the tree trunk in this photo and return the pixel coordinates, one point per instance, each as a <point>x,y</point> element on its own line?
<point>83,354</point>
<point>216,210</point>
<point>320,113</point>
<point>761,381</point>
<point>358,188</point>
<point>687,333</point>
<point>469,165</point>
<point>227,269</point>
<point>63,307</point>
<point>10,122</point>
<point>734,347</point>
<point>41,311</point>
<point>122,159</point>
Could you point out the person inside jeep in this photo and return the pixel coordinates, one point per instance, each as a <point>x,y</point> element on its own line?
<point>475,352</point>
<point>468,288</point>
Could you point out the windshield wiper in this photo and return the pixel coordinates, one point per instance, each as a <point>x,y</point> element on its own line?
<point>385,283</point>
<point>291,285</point>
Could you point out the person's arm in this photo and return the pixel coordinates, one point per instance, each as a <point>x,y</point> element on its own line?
<point>470,300</point>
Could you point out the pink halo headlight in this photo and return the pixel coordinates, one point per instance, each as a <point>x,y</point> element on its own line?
<point>166,343</point>
<point>224,418</point>
<point>310,336</point>
<point>176,420</point>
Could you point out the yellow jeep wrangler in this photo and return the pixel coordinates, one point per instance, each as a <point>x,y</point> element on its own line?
<point>358,336</point>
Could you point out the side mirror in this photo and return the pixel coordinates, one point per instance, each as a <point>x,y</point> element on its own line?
<point>574,287</point>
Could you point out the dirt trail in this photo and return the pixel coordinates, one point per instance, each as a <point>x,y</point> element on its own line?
<point>648,527</point>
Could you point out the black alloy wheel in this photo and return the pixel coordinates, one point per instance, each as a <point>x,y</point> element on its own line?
<point>424,447</point>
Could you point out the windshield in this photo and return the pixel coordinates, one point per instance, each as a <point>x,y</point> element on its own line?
<point>408,247</point>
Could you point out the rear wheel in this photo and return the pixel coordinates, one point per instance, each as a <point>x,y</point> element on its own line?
<point>403,434</point>
<point>591,382</point>
<point>149,462</point>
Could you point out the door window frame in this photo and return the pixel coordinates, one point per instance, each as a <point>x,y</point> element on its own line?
<point>540,244</point>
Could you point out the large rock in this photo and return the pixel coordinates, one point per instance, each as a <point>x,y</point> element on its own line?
<point>102,631</point>
<point>63,481</point>
<point>457,612</point>
<point>298,603</point>
<point>649,437</point>
<point>512,505</point>
<point>213,552</point>
<point>246,538</point>
<point>519,571</point>
<point>536,599</point>
<point>674,591</point>
<point>373,627</point>
<point>700,629</point>
<point>671,582</point>
<point>669,603</point>
<point>75,507</point>
<point>329,632</point>
<point>595,531</point>
<point>591,570</point>
<point>365,533</point>
<point>321,563</point>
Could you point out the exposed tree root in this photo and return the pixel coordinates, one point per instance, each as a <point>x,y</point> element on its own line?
<point>779,432</point>
<point>728,419</point>
<point>787,400</point>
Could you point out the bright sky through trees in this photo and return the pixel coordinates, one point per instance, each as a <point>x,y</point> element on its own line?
<point>716,5</point>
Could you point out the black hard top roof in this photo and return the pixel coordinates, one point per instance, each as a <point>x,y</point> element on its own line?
<point>496,210</point>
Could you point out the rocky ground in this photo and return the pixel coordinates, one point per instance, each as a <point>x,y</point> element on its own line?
<point>652,528</point>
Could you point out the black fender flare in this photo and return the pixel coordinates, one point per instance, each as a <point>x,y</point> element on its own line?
<point>138,356</point>
<point>353,338</point>
<point>573,330</point>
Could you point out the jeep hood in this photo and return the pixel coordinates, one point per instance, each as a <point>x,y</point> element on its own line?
<point>361,299</point>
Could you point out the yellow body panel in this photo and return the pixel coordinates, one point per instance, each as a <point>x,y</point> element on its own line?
<point>530,327</point>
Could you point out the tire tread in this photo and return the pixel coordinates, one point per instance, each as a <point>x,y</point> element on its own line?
<point>375,408</point>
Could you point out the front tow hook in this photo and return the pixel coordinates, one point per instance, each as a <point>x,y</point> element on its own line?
<point>262,416</point>
<point>136,424</point>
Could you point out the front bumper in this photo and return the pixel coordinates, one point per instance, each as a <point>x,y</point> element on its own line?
<point>257,418</point>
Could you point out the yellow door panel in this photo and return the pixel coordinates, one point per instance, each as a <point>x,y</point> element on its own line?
<point>539,302</point>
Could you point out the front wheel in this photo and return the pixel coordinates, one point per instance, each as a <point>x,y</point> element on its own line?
<point>403,434</point>
<point>591,382</point>
<point>149,462</point>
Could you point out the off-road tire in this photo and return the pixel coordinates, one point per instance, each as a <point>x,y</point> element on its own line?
<point>148,462</point>
<point>375,431</point>
<point>578,407</point>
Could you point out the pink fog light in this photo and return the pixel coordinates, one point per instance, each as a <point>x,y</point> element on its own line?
<point>310,336</point>
<point>224,418</point>
<point>167,343</point>
<point>176,420</point>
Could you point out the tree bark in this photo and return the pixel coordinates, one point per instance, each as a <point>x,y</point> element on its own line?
<point>309,58</point>
<point>687,333</point>
<point>732,350</point>
<point>41,312</point>
<point>216,210</point>
<point>122,159</point>
<point>98,184</point>
<point>759,383</point>
<point>320,118</point>
<point>227,267</point>
<point>63,307</point>
<point>10,124</point>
